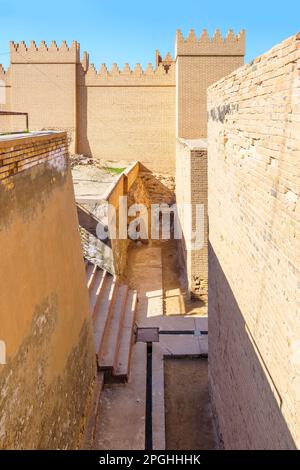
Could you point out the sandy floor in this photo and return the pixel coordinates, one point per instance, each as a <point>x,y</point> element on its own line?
<point>188,415</point>
<point>176,301</point>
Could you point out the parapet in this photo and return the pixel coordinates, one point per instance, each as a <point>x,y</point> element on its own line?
<point>21,54</point>
<point>2,72</point>
<point>166,62</point>
<point>231,45</point>
<point>127,77</point>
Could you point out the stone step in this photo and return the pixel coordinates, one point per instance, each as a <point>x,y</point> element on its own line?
<point>92,276</point>
<point>121,367</point>
<point>112,307</point>
<point>89,270</point>
<point>111,343</point>
<point>96,288</point>
<point>102,311</point>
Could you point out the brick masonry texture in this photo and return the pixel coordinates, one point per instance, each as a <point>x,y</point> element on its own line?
<point>200,63</point>
<point>254,264</point>
<point>44,305</point>
<point>118,114</point>
<point>22,154</point>
<point>191,189</point>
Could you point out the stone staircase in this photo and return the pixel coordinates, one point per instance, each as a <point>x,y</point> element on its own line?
<point>113,307</point>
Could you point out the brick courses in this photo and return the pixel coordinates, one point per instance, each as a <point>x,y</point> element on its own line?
<point>122,113</point>
<point>17,155</point>
<point>191,189</point>
<point>254,254</point>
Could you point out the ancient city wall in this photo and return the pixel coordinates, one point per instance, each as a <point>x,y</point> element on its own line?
<point>118,114</point>
<point>254,264</point>
<point>5,121</point>
<point>43,83</point>
<point>44,303</point>
<point>128,115</point>
<point>191,192</point>
<point>199,63</point>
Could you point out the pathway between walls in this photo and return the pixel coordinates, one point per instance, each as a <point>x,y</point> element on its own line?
<point>121,420</point>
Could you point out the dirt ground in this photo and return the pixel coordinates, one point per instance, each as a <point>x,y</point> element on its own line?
<point>176,299</point>
<point>189,423</point>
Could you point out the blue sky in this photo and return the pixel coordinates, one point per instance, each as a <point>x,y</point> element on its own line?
<point>130,31</point>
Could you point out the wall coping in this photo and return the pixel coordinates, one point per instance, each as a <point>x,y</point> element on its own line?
<point>194,144</point>
<point>14,140</point>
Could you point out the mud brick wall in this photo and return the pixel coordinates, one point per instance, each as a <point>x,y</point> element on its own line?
<point>43,83</point>
<point>191,190</point>
<point>44,306</point>
<point>118,114</point>
<point>5,121</point>
<point>254,264</point>
<point>128,115</point>
<point>200,63</point>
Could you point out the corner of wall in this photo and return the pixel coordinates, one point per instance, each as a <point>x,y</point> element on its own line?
<point>199,63</point>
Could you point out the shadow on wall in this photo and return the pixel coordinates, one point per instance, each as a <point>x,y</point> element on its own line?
<point>247,405</point>
<point>82,144</point>
<point>159,187</point>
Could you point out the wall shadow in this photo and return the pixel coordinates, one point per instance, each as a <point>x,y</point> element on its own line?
<point>82,141</point>
<point>246,401</point>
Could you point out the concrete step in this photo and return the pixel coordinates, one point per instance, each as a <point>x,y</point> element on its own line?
<point>102,312</point>
<point>96,288</point>
<point>112,307</point>
<point>89,269</point>
<point>112,338</point>
<point>121,367</point>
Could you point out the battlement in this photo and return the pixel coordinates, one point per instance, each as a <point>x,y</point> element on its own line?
<point>167,61</point>
<point>231,45</point>
<point>2,72</point>
<point>20,53</point>
<point>128,77</point>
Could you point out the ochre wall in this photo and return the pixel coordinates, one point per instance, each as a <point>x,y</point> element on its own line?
<point>254,264</point>
<point>118,115</point>
<point>43,83</point>
<point>128,116</point>
<point>200,63</point>
<point>5,121</point>
<point>44,303</point>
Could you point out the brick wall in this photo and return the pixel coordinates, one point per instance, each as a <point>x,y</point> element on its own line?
<point>127,115</point>
<point>5,121</point>
<point>199,63</point>
<point>254,264</point>
<point>43,83</point>
<point>44,306</point>
<point>191,190</point>
<point>28,151</point>
<point>118,114</point>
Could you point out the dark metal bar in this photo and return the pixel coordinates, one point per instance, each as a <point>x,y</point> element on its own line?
<point>148,424</point>
<point>181,332</point>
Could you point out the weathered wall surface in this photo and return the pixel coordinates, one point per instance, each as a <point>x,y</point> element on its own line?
<point>254,264</point>
<point>191,190</point>
<point>200,63</point>
<point>44,301</point>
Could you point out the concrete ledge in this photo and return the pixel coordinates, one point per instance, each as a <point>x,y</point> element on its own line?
<point>13,140</point>
<point>19,152</point>
<point>194,144</point>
